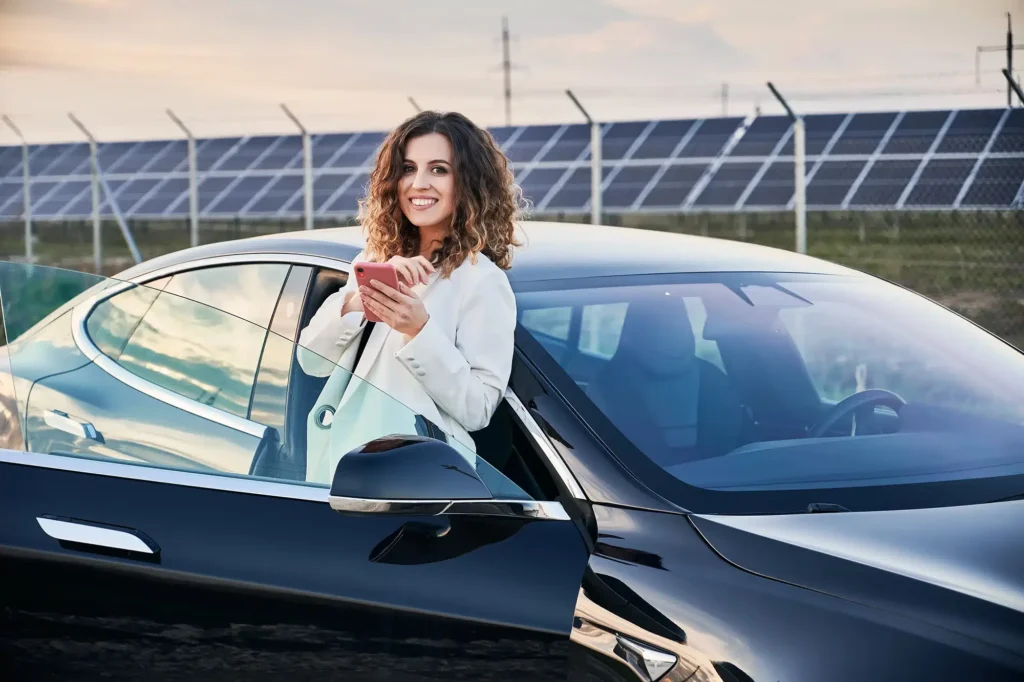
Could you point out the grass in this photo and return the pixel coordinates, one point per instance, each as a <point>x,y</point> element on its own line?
<point>971,261</point>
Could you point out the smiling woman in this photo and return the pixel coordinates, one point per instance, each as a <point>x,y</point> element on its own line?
<point>441,209</point>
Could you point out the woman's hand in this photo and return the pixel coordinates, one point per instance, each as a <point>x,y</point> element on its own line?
<point>413,271</point>
<point>401,310</point>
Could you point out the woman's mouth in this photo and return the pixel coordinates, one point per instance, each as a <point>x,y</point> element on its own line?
<point>422,202</point>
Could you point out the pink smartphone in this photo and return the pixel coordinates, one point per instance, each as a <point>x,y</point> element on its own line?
<point>368,272</point>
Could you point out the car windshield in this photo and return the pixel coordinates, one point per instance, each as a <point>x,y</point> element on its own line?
<point>818,387</point>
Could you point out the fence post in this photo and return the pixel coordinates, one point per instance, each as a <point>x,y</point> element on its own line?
<point>307,166</point>
<point>799,174</point>
<point>193,188</point>
<point>26,191</point>
<point>596,179</point>
<point>97,225</point>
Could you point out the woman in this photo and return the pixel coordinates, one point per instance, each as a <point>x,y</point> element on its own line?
<point>441,207</point>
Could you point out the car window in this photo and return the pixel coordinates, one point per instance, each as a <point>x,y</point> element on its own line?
<point>208,353</point>
<point>786,382</point>
<point>189,386</point>
<point>553,322</point>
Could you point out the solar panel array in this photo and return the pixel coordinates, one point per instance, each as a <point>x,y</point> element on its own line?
<point>917,160</point>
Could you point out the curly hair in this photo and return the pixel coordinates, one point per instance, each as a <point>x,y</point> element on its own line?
<point>487,200</point>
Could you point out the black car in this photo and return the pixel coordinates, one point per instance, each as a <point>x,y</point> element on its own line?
<point>714,461</point>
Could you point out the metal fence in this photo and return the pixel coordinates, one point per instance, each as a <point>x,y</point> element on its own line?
<point>929,199</point>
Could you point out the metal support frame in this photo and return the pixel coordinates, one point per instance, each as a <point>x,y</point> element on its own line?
<point>98,183</point>
<point>26,184</point>
<point>307,165</point>
<point>97,225</point>
<point>595,162</point>
<point>799,171</point>
<point>1014,86</point>
<point>193,184</point>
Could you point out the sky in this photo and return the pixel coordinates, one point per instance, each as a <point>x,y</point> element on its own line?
<point>226,66</point>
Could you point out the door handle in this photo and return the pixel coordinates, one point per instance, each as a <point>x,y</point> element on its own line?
<point>97,534</point>
<point>61,421</point>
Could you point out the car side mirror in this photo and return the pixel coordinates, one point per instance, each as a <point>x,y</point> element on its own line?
<point>421,476</point>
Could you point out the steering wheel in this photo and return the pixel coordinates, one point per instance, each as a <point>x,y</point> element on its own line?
<point>872,397</point>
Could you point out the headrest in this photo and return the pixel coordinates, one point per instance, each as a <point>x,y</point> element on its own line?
<point>657,334</point>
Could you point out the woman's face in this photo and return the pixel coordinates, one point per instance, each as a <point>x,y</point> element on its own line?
<point>427,186</point>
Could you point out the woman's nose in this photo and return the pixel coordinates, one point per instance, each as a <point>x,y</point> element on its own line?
<point>421,180</point>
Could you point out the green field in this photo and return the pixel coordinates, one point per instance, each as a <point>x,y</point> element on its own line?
<point>971,261</point>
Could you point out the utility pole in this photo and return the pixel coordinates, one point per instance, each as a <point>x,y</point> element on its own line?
<point>595,162</point>
<point>1014,85</point>
<point>799,174</point>
<point>1009,48</point>
<point>26,190</point>
<point>1009,60</point>
<point>307,166</point>
<point>193,188</point>
<point>506,65</point>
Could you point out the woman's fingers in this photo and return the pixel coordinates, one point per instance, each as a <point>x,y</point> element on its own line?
<point>380,297</point>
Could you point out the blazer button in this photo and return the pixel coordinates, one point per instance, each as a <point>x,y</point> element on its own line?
<point>421,373</point>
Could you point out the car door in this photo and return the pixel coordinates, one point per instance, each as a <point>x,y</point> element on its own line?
<point>124,569</point>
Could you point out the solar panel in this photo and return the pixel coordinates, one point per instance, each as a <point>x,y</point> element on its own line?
<point>970,131</point>
<point>53,202</point>
<point>172,157</point>
<point>819,129</point>
<point>286,153</point>
<point>710,138</point>
<point>832,182</point>
<point>10,160</point>
<point>42,157</point>
<point>235,199</point>
<point>617,140</point>
<point>75,161</point>
<point>884,183</point>
<point>324,187</point>
<point>727,185</point>
<point>279,193</point>
<point>940,182</point>
<point>674,186</point>
<point>1011,137</point>
<point>245,154</point>
<point>10,199</point>
<point>130,193</point>
<point>347,203</point>
<point>863,134</point>
<point>762,137</point>
<point>539,181</point>
<point>325,147</point>
<point>776,186</point>
<point>360,151</point>
<point>916,132</point>
<point>149,178</point>
<point>170,192</point>
<point>626,187</point>
<point>570,145</point>
<point>663,140</point>
<point>996,184</point>
<point>529,143</point>
<point>575,193</point>
<point>210,152</point>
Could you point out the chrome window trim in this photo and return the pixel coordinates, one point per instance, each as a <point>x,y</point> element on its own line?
<point>144,472</point>
<point>522,509</point>
<point>544,444</point>
<point>79,332</point>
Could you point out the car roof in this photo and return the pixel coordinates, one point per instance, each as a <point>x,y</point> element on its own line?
<point>549,251</point>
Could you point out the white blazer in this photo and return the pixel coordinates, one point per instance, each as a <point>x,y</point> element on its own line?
<point>454,372</point>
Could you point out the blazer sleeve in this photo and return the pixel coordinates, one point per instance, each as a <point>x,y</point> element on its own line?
<point>467,378</point>
<point>327,336</point>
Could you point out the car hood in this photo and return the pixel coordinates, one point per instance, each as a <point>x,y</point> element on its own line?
<point>958,567</point>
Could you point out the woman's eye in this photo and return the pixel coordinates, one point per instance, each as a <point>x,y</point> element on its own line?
<point>439,170</point>
<point>408,169</point>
